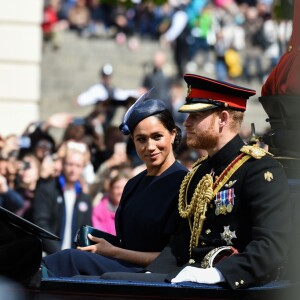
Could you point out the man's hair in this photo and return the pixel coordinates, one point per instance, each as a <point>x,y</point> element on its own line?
<point>236,118</point>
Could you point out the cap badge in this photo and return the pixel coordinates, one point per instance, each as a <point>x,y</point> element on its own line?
<point>189,90</point>
<point>228,235</point>
<point>268,176</point>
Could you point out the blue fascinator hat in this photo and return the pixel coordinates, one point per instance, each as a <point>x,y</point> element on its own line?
<point>143,108</point>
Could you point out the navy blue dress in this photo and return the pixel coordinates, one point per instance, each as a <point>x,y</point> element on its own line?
<point>146,219</point>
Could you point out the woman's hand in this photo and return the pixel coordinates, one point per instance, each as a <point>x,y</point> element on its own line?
<point>101,247</point>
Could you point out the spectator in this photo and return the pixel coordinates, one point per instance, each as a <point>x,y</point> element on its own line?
<point>201,26</point>
<point>79,17</point>
<point>103,215</point>
<point>11,169</point>
<point>105,96</point>
<point>253,59</point>
<point>52,26</point>
<point>176,35</point>
<point>177,97</point>
<point>82,131</point>
<point>9,199</point>
<point>157,78</point>
<point>101,91</point>
<point>115,152</point>
<point>10,145</point>
<point>29,174</point>
<point>60,206</point>
<point>87,177</point>
<point>96,26</point>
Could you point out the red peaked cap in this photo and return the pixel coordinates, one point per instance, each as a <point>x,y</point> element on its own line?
<point>204,93</point>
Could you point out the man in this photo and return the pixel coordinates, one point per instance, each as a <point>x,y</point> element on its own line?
<point>101,91</point>
<point>104,96</point>
<point>234,203</point>
<point>105,90</point>
<point>60,206</point>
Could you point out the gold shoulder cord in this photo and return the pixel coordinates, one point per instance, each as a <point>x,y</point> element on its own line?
<point>206,190</point>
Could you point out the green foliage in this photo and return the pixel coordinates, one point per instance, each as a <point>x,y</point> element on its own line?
<point>283,9</point>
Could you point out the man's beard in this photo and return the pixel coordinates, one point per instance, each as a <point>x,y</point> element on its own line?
<point>205,140</point>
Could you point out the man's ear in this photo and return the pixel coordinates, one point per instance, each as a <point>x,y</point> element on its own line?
<point>223,118</point>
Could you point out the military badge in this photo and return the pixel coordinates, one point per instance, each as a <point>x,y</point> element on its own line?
<point>228,235</point>
<point>224,202</point>
<point>230,183</point>
<point>268,176</point>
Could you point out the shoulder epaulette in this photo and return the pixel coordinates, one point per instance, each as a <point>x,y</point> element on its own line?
<point>255,151</point>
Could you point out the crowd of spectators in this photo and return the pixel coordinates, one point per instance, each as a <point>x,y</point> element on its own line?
<point>230,30</point>
<point>234,39</point>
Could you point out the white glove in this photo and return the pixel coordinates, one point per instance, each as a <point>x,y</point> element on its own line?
<point>199,275</point>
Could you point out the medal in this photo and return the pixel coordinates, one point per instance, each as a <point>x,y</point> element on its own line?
<point>228,235</point>
<point>218,204</point>
<point>223,210</point>
<point>229,208</point>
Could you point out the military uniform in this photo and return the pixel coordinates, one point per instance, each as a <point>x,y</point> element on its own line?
<point>248,209</point>
<point>250,213</point>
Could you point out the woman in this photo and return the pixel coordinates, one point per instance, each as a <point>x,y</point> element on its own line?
<point>147,216</point>
<point>103,215</point>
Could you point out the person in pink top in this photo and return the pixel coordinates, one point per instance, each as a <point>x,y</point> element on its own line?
<point>103,216</point>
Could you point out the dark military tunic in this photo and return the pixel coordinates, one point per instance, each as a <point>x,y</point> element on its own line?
<point>258,224</point>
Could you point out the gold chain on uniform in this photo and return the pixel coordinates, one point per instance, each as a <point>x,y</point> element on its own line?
<point>206,190</point>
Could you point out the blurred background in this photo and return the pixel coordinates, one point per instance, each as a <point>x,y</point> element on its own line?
<point>52,50</point>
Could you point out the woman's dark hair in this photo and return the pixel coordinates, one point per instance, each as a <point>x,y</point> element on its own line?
<point>167,120</point>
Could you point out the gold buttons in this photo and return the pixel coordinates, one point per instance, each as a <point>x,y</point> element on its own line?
<point>290,48</point>
<point>242,281</point>
<point>237,283</point>
<point>203,244</point>
<point>207,231</point>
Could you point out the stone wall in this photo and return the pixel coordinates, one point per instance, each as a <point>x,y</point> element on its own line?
<point>20,59</point>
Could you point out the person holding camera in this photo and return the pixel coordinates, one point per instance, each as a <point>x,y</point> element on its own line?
<point>28,176</point>
<point>9,198</point>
